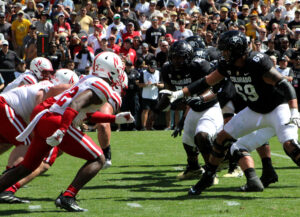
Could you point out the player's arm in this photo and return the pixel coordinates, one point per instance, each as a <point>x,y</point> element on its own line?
<point>274,78</point>
<point>197,87</point>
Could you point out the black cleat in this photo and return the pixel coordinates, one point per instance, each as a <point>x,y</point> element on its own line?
<point>68,203</point>
<point>253,185</point>
<point>269,178</point>
<point>9,197</point>
<point>206,181</point>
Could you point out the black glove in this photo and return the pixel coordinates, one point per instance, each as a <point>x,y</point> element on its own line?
<point>178,128</point>
<point>195,101</point>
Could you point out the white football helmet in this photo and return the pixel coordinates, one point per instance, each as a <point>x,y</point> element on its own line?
<point>109,65</point>
<point>65,76</point>
<point>42,68</point>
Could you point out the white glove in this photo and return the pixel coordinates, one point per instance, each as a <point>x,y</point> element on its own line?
<point>56,138</point>
<point>173,95</point>
<point>295,117</point>
<point>124,118</point>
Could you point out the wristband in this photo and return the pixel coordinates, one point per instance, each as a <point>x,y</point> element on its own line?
<point>67,118</point>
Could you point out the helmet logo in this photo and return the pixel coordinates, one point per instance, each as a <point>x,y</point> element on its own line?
<point>236,40</point>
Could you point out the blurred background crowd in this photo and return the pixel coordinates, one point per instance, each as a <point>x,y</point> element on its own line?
<point>70,33</point>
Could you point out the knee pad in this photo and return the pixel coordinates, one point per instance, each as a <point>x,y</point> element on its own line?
<point>218,150</point>
<point>295,153</point>
<point>239,153</point>
<point>204,142</point>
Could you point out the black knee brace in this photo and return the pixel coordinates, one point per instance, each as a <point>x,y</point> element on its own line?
<point>239,153</point>
<point>218,150</point>
<point>204,142</point>
<point>294,153</point>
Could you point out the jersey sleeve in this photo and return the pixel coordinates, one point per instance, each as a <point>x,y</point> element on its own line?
<point>106,94</point>
<point>223,67</point>
<point>260,63</point>
<point>28,79</point>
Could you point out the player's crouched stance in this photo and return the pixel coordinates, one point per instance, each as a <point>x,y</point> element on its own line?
<point>55,125</point>
<point>271,102</point>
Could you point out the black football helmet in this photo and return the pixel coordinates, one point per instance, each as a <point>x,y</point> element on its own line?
<point>196,42</point>
<point>235,43</point>
<point>180,54</point>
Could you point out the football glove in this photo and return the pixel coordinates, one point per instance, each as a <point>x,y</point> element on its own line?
<point>173,95</point>
<point>195,101</point>
<point>124,118</point>
<point>178,129</point>
<point>295,117</point>
<point>56,138</point>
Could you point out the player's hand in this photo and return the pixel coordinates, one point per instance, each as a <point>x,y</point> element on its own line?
<point>194,101</point>
<point>295,117</point>
<point>173,95</point>
<point>124,118</point>
<point>56,138</point>
<point>177,131</point>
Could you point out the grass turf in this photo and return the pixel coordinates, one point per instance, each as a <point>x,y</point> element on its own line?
<point>142,182</point>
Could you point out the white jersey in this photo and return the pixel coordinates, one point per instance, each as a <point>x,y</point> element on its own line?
<point>89,82</point>
<point>23,99</point>
<point>25,79</point>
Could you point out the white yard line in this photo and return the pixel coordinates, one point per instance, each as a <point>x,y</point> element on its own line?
<point>280,155</point>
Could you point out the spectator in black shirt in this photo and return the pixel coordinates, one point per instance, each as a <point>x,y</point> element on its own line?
<point>162,56</point>
<point>153,34</point>
<point>146,55</point>
<point>245,13</point>
<point>271,51</point>
<point>55,56</point>
<point>5,27</point>
<point>296,22</point>
<point>8,58</point>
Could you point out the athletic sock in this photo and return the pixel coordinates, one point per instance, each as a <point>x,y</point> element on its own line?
<point>250,173</point>
<point>107,153</point>
<point>267,164</point>
<point>14,187</point>
<point>71,192</point>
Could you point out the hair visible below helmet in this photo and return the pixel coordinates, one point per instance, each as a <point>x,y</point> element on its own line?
<point>65,76</point>
<point>109,65</point>
<point>181,49</point>
<point>41,67</point>
<point>196,42</point>
<point>235,42</point>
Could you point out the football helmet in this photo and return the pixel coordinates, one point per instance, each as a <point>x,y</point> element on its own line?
<point>109,65</point>
<point>65,76</point>
<point>233,45</point>
<point>196,42</point>
<point>180,54</point>
<point>41,68</point>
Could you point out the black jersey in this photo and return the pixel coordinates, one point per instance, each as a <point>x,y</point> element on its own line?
<point>176,80</point>
<point>249,84</point>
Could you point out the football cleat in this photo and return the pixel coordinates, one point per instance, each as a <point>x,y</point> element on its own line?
<point>253,185</point>
<point>68,203</point>
<point>9,197</point>
<point>107,164</point>
<point>206,181</point>
<point>190,174</point>
<point>237,172</point>
<point>269,178</point>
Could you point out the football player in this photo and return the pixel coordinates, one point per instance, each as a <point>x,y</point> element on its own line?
<point>28,96</point>
<point>204,117</point>
<point>55,120</point>
<point>271,102</point>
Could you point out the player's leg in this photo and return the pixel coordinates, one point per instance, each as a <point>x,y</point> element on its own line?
<point>269,175</point>
<point>82,146</point>
<point>4,147</point>
<point>241,124</point>
<point>104,133</point>
<point>287,133</point>
<point>193,169</point>
<point>241,150</point>
<point>7,196</point>
<point>16,155</point>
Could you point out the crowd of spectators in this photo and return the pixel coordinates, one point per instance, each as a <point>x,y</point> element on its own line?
<point>70,33</point>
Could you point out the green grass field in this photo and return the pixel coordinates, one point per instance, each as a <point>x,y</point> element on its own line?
<point>142,183</point>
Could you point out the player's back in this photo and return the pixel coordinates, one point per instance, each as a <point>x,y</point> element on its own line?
<point>25,79</point>
<point>101,88</point>
<point>23,99</point>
